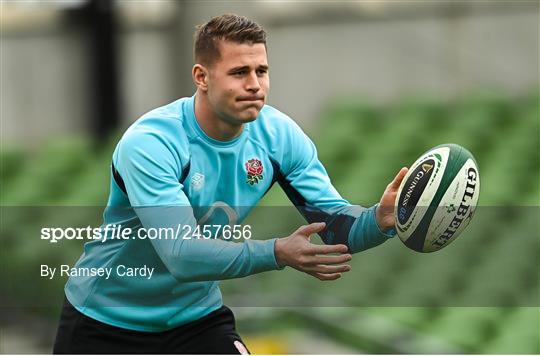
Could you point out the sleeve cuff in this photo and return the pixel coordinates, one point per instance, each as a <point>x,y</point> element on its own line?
<point>274,255</point>
<point>265,259</point>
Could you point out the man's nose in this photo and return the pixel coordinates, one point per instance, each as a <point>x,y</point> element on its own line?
<point>252,83</point>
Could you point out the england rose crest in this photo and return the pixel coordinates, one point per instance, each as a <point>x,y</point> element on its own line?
<point>254,170</point>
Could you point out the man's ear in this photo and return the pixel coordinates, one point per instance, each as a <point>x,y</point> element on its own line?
<point>200,76</point>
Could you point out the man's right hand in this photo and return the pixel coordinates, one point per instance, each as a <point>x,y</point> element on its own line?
<point>298,252</point>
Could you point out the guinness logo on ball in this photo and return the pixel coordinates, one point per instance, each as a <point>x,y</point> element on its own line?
<point>414,187</point>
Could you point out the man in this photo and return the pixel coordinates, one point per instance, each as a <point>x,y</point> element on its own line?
<point>206,161</point>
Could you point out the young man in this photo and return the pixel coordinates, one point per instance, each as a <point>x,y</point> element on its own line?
<point>206,161</point>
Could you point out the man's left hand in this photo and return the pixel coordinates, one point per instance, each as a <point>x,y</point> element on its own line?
<point>385,211</point>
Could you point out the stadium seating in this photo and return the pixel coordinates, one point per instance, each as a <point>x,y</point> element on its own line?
<point>478,295</point>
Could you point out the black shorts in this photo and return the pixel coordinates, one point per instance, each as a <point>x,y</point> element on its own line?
<point>212,334</point>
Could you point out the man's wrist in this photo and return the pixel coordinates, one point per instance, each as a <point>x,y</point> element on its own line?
<point>389,232</point>
<point>379,221</point>
<point>278,253</point>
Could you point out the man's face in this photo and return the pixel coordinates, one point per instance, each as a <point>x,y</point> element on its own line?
<point>238,82</point>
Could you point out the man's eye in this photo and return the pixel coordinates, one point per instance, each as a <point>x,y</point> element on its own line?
<point>262,71</point>
<point>239,73</point>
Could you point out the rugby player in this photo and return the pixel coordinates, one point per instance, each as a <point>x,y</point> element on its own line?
<point>201,161</point>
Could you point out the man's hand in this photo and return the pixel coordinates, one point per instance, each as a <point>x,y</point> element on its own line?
<point>385,211</point>
<point>298,252</point>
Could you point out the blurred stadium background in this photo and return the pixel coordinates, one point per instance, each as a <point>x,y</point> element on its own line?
<point>374,83</point>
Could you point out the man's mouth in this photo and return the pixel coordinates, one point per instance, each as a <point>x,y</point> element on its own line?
<point>251,98</point>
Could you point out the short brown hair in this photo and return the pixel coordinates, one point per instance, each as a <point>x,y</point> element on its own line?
<point>228,27</point>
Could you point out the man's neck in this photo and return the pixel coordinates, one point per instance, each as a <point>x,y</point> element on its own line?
<point>211,124</point>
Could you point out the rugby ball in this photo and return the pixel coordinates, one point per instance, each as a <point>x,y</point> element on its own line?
<point>437,198</point>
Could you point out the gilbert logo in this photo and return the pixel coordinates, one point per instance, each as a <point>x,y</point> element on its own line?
<point>197,181</point>
<point>464,207</point>
<point>254,170</point>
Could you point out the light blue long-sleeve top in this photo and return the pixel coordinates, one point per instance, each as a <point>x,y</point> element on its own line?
<point>167,173</point>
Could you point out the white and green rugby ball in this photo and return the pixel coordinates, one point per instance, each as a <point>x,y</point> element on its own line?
<point>437,198</point>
